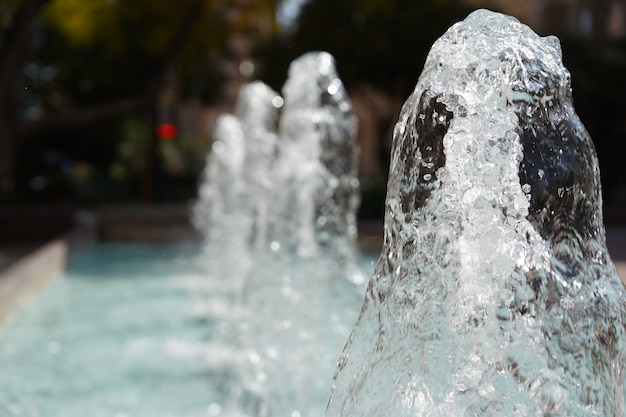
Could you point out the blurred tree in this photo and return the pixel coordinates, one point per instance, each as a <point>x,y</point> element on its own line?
<point>382,43</point>
<point>380,47</point>
<point>69,64</point>
<point>18,27</point>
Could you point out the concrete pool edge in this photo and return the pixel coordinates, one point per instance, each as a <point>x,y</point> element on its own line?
<point>34,270</point>
<point>42,263</point>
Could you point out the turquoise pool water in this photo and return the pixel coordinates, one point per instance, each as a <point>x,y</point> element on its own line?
<point>121,334</point>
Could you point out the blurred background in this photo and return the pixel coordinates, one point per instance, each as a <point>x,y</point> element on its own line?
<point>108,102</point>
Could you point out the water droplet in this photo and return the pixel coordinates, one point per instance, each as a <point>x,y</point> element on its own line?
<point>499,131</point>
<point>470,147</point>
<point>218,146</point>
<point>427,177</point>
<point>254,357</point>
<point>333,88</point>
<point>246,68</point>
<point>503,313</point>
<point>214,409</point>
<point>526,188</point>
<point>278,102</point>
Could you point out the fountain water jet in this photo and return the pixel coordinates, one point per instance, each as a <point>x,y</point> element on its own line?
<point>302,288</point>
<point>296,226</point>
<point>221,212</point>
<point>221,183</point>
<point>232,208</point>
<point>494,293</point>
<point>257,109</point>
<point>316,173</point>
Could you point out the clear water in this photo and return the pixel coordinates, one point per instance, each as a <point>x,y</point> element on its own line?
<point>277,208</point>
<point>495,294</point>
<point>125,332</point>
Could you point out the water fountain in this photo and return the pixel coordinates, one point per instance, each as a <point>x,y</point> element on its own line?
<point>303,287</point>
<point>236,186</point>
<point>302,282</point>
<point>257,108</point>
<point>316,183</point>
<point>221,213</point>
<point>494,293</point>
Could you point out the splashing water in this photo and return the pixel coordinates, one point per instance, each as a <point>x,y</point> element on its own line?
<point>295,196</point>
<point>316,173</point>
<point>303,290</point>
<point>220,213</point>
<point>221,185</point>
<point>494,293</point>
<point>257,109</point>
<point>232,207</point>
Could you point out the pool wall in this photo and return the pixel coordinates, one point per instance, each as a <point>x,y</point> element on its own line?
<point>47,261</point>
<point>44,261</point>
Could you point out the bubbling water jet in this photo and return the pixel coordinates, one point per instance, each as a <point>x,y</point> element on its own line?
<point>494,293</point>
<point>316,173</point>
<point>302,288</point>
<point>257,109</point>
<point>220,214</point>
<point>295,222</point>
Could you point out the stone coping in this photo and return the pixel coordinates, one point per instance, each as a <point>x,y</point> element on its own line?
<point>35,269</point>
<point>38,264</point>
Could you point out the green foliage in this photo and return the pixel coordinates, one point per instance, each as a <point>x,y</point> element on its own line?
<point>80,21</point>
<point>7,10</point>
<point>102,50</point>
<point>86,54</point>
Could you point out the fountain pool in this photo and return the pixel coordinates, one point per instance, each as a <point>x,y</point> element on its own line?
<point>124,332</point>
<point>494,293</point>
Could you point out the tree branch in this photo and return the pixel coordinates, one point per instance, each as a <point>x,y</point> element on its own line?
<point>79,117</point>
<point>176,44</point>
<point>15,47</point>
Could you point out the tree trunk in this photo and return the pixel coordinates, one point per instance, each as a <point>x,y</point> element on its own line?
<point>6,154</point>
<point>151,181</point>
<point>13,55</point>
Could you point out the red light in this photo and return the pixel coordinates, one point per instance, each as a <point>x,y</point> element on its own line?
<point>166,131</point>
